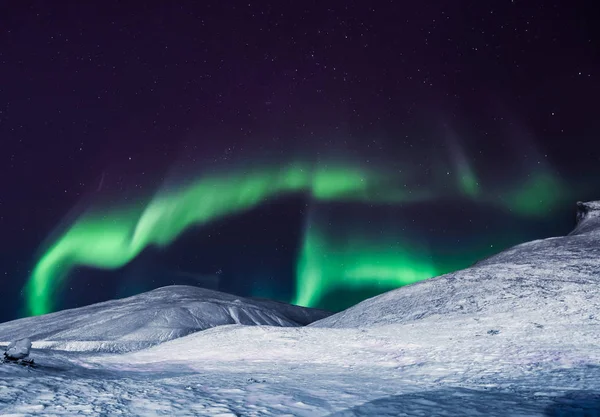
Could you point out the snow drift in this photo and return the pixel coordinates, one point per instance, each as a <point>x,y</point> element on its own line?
<point>151,318</point>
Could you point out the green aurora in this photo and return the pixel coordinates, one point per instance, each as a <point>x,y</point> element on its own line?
<point>376,254</point>
<point>111,239</point>
<point>325,265</point>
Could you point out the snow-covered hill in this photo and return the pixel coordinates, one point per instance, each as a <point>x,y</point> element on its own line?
<point>551,279</point>
<point>150,318</point>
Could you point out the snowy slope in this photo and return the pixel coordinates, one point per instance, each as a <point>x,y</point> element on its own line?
<point>427,368</point>
<point>149,318</point>
<point>558,277</point>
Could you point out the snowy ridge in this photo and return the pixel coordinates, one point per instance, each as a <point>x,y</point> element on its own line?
<point>559,276</point>
<point>150,318</point>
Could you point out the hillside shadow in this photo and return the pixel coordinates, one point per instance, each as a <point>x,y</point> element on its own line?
<point>575,404</point>
<point>462,402</point>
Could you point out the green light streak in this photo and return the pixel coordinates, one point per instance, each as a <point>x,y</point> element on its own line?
<point>112,240</point>
<point>325,265</point>
<point>468,182</point>
<point>540,193</point>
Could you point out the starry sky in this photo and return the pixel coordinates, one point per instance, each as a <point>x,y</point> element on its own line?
<point>311,152</point>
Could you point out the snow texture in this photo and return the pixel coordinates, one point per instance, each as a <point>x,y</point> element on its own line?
<point>150,318</point>
<point>515,335</point>
<point>18,349</point>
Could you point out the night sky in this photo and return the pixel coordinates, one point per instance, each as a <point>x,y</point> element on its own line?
<point>312,152</point>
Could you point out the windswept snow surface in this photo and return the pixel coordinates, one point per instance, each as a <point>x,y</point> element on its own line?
<point>524,343</point>
<point>150,318</point>
<point>429,368</point>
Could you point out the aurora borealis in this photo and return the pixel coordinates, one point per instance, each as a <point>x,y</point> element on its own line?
<point>326,266</point>
<point>110,240</point>
<point>311,153</point>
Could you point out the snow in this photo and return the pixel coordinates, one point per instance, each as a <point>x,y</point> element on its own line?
<point>18,349</point>
<point>428,368</point>
<point>516,335</point>
<point>150,318</point>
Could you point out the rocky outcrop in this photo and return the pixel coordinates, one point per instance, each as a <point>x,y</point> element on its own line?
<point>588,217</point>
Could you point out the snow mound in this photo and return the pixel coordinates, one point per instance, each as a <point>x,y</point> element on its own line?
<point>558,276</point>
<point>151,318</point>
<point>18,349</point>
